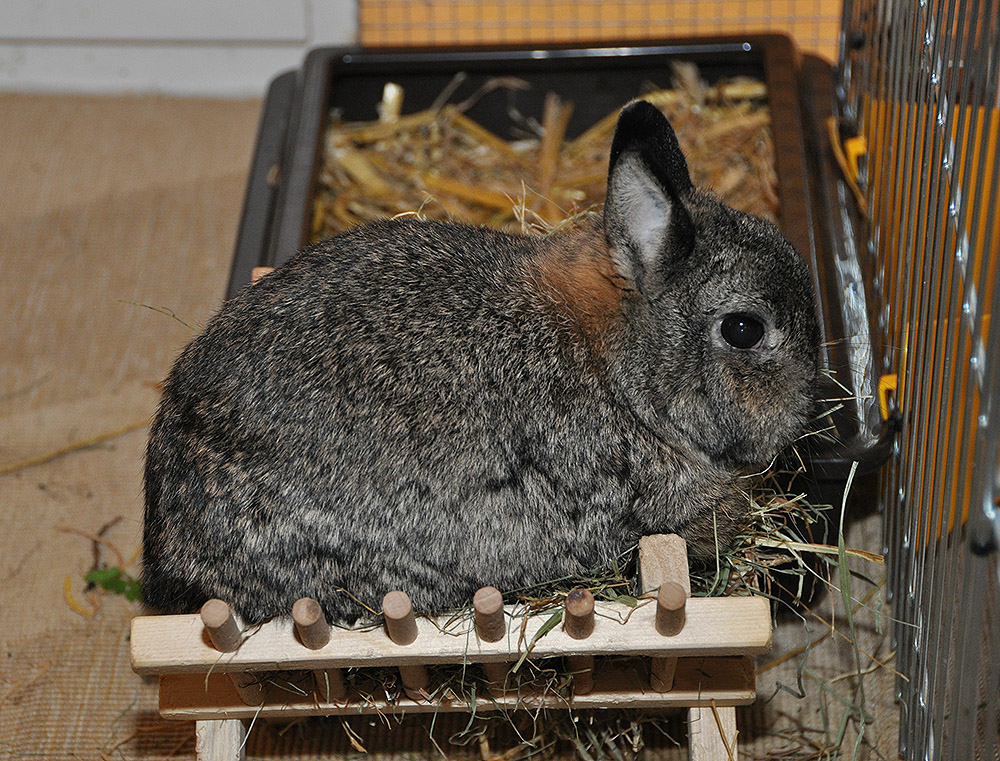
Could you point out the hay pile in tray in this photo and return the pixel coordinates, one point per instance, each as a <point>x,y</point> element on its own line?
<point>442,165</point>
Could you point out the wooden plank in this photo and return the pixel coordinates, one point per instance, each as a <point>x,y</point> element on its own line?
<point>699,681</point>
<point>712,733</point>
<point>714,626</point>
<point>663,558</point>
<point>220,740</point>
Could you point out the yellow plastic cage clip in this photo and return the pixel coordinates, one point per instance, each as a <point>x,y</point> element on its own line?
<point>854,148</point>
<point>886,384</point>
<point>847,154</point>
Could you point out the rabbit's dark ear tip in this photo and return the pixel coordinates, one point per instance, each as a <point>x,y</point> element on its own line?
<point>641,116</point>
<point>640,123</point>
<point>642,126</point>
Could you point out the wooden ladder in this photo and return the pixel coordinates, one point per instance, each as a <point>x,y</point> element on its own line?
<point>696,654</point>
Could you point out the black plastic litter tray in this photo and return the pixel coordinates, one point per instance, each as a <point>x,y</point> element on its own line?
<point>278,207</point>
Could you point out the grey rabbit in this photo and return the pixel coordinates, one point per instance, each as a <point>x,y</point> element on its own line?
<point>435,407</point>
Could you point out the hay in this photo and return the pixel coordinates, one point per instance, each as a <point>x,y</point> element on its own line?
<point>440,164</point>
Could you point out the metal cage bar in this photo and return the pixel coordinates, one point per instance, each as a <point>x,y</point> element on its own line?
<point>921,82</point>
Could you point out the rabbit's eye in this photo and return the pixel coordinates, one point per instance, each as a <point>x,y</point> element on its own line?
<point>741,330</point>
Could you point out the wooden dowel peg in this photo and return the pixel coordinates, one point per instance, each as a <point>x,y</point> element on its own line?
<point>496,675</point>
<point>671,600</point>
<point>330,685</point>
<point>582,669</point>
<point>310,623</point>
<point>401,626</point>
<point>314,632</point>
<point>491,627</point>
<point>579,617</point>
<point>578,622</point>
<point>400,622</point>
<point>224,631</point>
<point>250,686</point>
<point>415,680</point>
<point>661,673</point>
<point>221,625</point>
<point>670,604</point>
<point>488,606</point>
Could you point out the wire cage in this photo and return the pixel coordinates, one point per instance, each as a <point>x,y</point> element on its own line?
<point>815,24</point>
<point>919,83</point>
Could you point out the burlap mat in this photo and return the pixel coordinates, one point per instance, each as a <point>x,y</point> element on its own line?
<point>109,208</point>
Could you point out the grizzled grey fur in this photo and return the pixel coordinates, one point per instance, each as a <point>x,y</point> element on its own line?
<point>434,407</point>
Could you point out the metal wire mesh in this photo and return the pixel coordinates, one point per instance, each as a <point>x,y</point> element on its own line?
<point>920,82</point>
<point>814,24</point>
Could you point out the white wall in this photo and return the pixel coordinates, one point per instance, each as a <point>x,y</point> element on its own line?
<point>195,47</point>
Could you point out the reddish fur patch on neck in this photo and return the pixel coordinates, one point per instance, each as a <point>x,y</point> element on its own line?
<point>579,278</point>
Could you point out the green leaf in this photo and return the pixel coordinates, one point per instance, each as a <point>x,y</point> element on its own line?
<point>628,600</point>
<point>554,620</point>
<point>117,581</point>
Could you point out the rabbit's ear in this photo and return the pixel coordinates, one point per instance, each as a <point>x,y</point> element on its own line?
<point>646,225</point>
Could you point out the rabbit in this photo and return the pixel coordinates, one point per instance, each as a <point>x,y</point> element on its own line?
<point>435,407</point>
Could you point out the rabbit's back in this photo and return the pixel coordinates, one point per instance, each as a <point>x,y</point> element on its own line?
<point>398,407</point>
<point>434,407</point>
